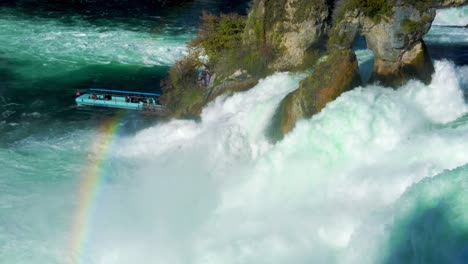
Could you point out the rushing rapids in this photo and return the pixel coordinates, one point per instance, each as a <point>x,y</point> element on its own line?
<point>379,176</point>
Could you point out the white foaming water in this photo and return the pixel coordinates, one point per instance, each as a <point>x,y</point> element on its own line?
<point>217,191</point>
<point>447,35</point>
<point>365,59</point>
<point>442,30</point>
<point>69,43</point>
<point>455,16</point>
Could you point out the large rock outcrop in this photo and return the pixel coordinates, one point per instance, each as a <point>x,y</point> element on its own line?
<point>400,53</point>
<point>290,27</point>
<point>395,39</point>
<point>338,73</point>
<point>394,32</point>
<point>290,34</point>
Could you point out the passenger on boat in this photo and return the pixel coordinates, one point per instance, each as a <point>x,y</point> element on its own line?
<point>94,97</point>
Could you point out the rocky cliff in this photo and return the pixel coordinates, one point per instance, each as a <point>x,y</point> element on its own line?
<point>395,39</point>
<point>393,31</point>
<point>295,34</point>
<point>291,27</point>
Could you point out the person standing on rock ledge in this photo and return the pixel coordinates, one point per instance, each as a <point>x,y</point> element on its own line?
<point>207,77</point>
<point>204,76</point>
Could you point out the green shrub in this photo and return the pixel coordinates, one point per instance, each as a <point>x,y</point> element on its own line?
<point>375,9</point>
<point>219,37</point>
<point>275,11</point>
<point>219,33</point>
<point>254,58</point>
<point>409,25</point>
<point>183,73</point>
<point>421,5</point>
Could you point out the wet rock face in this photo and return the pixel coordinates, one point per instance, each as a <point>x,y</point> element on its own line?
<point>329,79</point>
<point>290,111</point>
<point>414,63</point>
<point>290,27</point>
<point>396,43</point>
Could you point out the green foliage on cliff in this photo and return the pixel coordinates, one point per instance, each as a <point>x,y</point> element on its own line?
<point>181,94</point>
<point>181,74</point>
<point>375,9</point>
<point>307,9</point>
<point>409,25</point>
<point>275,11</point>
<point>421,5</point>
<point>219,33</point>
<point>184,102</point>
<point>254,58</point>
<point>221,39</point>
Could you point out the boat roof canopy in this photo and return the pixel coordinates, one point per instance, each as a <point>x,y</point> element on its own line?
<point>123,92</point>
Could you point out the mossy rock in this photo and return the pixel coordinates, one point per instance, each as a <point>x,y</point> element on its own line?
<point>329,79</point>
<point>337,74</point>
<point>187,101</point>
<point>409,25</point>
<point>290,108</point>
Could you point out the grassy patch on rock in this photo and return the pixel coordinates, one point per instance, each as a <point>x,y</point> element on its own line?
<point>375,9</point>
<point>219,33</point>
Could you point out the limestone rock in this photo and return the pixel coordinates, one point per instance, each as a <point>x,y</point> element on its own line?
<point>291,27</point>
<point>396,43</point>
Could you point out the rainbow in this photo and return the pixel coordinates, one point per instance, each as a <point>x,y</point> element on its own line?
<point>92,178</point>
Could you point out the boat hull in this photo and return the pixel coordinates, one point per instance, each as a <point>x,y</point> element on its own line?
<point>120,102</point>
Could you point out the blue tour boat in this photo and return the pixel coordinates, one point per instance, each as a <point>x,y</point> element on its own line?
<point>146,102</point>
